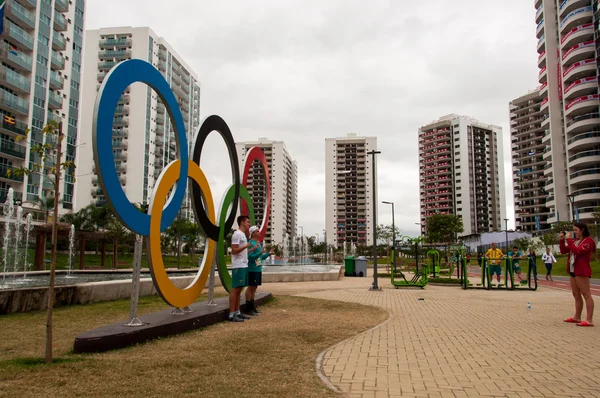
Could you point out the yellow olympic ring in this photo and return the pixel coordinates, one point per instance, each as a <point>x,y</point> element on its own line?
<point>173,295</point>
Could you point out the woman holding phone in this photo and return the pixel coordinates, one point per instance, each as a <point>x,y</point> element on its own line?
<point>579,252</point>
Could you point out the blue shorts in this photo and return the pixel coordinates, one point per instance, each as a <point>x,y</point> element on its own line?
<point>239,277</point>
<point>516,267</point>
<point>495,269</point>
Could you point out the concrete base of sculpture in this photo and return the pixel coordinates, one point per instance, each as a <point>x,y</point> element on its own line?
<point>156,325</point>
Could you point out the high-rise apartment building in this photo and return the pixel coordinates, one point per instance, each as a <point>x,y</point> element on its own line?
<point>143,137</point>
<point>348,190</point>
<point>529,162</point>
<point>461,172</point>
<point>283,172</point>
<point>569,107</point>
<point>40,80</point>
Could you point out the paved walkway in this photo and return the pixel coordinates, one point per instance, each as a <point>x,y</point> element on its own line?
<point>457,343</point>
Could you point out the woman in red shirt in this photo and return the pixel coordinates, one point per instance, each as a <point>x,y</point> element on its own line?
<point>578,266</point>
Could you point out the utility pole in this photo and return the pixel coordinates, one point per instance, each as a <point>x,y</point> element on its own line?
<point>374,210</point>
<point>393,236</point>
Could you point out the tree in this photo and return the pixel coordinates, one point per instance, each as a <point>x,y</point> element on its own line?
<point>46,204</point>
<point>443,228</point>
<point>49,153</point>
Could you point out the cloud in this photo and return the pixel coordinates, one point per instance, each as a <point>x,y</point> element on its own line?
<point>301,71</point>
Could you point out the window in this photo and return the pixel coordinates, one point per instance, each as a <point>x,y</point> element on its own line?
<point>42,60</point>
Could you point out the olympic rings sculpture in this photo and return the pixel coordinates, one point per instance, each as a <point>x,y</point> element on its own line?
<point>163,209</point>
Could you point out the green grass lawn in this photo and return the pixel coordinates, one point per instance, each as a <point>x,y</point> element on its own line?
<point>123,260</point>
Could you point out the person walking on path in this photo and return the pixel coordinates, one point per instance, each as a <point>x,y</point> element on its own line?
<point>495,255</point>
<point>580,251</point>
<point>254,272</point>
<point>239,265</point>
<point>548,258</point>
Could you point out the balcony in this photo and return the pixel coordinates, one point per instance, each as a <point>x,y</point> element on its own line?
<point>61,5</point>
<point>18,34</point>
<point>586,158</point>
<point>583,141</point>
<point>582,105</point>
<point>59,43</point>
<point>578,52</point>
<point>14,103</point>
<point>577,17</point>
<point>14,80</point>
<point>543,75</point>
<point>118,54</point>
<point>4,169</point>
<point>9,124</point>
<point>29,4</point>
<point>20,14</point>
<point>60,22</point>
<point>16,59</point>
<point>578,70</point>
<point>12,149</point>
<point>586,175</point>
<point>120,42</point>
<point>541,44</point>
<point>106,66</point>
<point>57,61</point>
<point>121,122</point>
<point>162,65</point>
<point>55,101</point>
<point>56,81</point>
<point>539,31</point>
<point>542,60</point>
<point>581,87</point>
<point>122,110</point>
<point>578,34</point>
<point>568,6</point>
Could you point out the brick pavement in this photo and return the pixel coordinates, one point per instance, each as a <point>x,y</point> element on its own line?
<point>457,343</point>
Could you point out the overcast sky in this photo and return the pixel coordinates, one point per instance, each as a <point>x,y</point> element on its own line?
<point>301,71</point>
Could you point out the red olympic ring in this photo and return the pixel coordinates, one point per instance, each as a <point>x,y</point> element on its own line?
<point>257,154</point>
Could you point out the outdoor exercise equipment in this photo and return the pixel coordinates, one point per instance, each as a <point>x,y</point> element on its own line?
<point>421,276</point>
<point>458,252</point>
<point>433,261</point>
<point>465,283</point>
<point>509,281</point>
<point>527,284</point>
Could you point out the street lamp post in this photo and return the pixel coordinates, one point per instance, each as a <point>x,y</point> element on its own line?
<point>374,176</point>
<point>393,236</point>
<point>506,231</point>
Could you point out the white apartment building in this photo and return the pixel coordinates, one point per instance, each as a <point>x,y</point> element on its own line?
<point>529,162</point>
<point>461,172</point>
<point>40,80</point>
<point>567,60</point>
<point>283,172</point>
<point>143,138</point>
<point>348,190</point>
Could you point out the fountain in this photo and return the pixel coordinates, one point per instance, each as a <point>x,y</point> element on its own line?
<point>71,250</point>
<point>353,249</point>
<point>345,251</point>
<point>18,237</point>
<point>286,249</point>
<point>9,209</point>
<point>28,228</point>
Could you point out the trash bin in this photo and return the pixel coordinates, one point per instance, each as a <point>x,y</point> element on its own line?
<point>349,266</point>
<point>360,266</point>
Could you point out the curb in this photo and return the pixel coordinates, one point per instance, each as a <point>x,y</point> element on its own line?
<point>319,360</point>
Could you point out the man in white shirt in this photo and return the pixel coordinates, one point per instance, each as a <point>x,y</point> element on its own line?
<point>239,265</point>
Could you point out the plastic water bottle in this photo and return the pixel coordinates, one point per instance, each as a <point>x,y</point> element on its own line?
<point>528,308</point>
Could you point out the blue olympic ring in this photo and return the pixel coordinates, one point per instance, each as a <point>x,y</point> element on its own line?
<point>118,79</point>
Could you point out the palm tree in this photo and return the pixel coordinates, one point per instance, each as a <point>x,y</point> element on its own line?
<point>46,204</point>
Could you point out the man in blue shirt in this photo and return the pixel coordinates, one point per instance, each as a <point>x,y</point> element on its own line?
<point>515,255</point>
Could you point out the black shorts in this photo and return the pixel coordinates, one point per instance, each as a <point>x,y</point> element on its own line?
<point>254,278</point>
